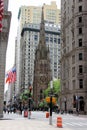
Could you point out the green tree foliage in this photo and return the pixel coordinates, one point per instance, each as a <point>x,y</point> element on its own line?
<point>25,95</point>
<point>43,104</point>
<point>56,88</point>
<point>46,91</point>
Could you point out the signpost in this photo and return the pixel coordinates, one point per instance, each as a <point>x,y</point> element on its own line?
<point>29,113</point>
<point>50,118</point>
<point>51,100</point>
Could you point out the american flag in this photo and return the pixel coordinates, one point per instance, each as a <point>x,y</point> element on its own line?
<point>11,75</point>
<point>1,13</point>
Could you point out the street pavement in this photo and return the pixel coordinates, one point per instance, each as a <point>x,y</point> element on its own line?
<point>13,121</point>
<point>38,121</point>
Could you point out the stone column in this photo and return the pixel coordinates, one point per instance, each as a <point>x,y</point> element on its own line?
<point>3,47</point>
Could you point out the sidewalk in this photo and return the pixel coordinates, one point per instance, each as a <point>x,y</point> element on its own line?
<point>18,122</point>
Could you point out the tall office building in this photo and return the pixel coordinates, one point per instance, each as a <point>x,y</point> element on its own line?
<point>32,15</point>
<point>74,55</point>
<point>3,46</point>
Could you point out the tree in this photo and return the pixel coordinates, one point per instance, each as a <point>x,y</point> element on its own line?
<point>46,91</point>
<point>43,105</point>
<point>56,88</point>
<point>24,97</point>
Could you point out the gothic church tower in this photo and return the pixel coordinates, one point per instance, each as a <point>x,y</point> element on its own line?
<point>42,71</point>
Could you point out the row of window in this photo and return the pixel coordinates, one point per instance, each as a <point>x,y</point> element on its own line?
<point>80,57</point>
<point>80,44</point>
<point>48,39</point>
<point>80,70</point>
<point>80,83</point>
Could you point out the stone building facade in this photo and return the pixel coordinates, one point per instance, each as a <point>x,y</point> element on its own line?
<point>42,71</point>
<point>3,46</point>
<point>74,55</point>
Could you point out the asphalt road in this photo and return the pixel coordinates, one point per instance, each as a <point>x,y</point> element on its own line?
<point>73,122</point>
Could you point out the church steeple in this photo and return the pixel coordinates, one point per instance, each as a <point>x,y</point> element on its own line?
<point>42,28</point>
<point>42,48</point>
<point>42,71</point>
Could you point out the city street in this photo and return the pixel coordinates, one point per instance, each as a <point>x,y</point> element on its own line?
<point>71,122</point>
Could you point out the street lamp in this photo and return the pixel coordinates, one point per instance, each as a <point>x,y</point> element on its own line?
<point>50,119</point>
<point>65,103</point>
<point>29,103</point>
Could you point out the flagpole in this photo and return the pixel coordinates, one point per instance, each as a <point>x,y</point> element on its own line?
<point>0,38</point>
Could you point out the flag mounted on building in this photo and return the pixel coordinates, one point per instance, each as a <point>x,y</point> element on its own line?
<point>11,75</point>
<point>1,13</point>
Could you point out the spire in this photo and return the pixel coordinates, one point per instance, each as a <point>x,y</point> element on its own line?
<point>42,43</point>
<point>42,28</point>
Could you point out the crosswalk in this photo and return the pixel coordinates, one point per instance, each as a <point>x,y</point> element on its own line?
<point>70,121</point>
<point>73,124</point>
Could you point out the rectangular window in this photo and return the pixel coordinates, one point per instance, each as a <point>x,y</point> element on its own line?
<point>80,69</point>
<point>80,56</point>
<point>55,40</point>
<point>80,8</point>
<point>73,84</point>
<point>47,39</point>
<point>73,72</point>
<point>80,30</point>
<point>80,19</point>
<point>35,37</point>
<point>80,42</point>
<point>80,0</point>
<point>51,39</point>
<point>80,83</point>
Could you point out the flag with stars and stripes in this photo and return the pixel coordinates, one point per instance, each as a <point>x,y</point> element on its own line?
<point>1,13</point>
<point>11,75</point>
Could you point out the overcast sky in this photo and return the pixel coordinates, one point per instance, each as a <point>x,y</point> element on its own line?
<point>14,8</point>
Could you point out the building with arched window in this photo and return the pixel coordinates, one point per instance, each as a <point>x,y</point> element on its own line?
<point>74,55</point>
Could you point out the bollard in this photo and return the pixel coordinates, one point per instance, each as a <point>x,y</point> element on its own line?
<point>26,113</point>
<point>47,114</point>
<point>59,122</point>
